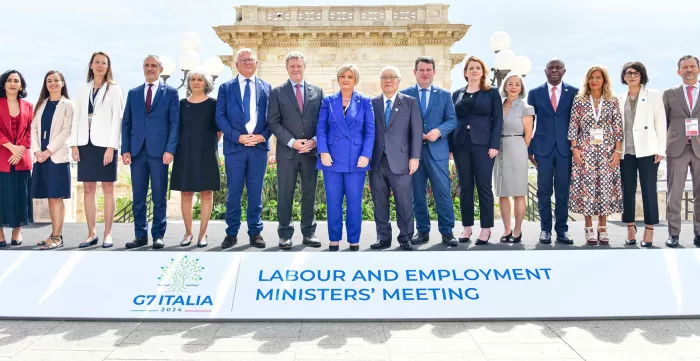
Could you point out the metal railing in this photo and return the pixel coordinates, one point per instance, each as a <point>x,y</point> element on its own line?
<point>126,214</point>
<point>532,211</point>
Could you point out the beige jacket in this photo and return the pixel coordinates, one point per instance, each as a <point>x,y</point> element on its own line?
<point>60,131</point>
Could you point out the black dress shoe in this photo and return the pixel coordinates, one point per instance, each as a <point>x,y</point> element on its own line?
<point>3,244</point>
<point>420,238</point>
<point>565,238</point>
<point>406,246</point>
<point>257,241</point>
<point>449,240</point>
<point>285,243</point>
<point>354,247</point>
<point>672,241</point>
<point>696,241</point>
<point>545,237</point>
<point>158,243</point>
<point>229,242</point>
<point>136,243</point>
<point>380,245</point>
<point>311,241</point>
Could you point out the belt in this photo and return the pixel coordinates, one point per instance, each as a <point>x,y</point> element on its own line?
<point>511,135</point>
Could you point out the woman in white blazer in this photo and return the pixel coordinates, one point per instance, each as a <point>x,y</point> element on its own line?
<point>95,139</point>
<point>51,128</point>
<point>644,146</point>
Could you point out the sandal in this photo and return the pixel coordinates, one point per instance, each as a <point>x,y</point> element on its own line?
<point>56,242</point>
<point>603,238</point>
<point>631,242</point>
<point>43,243</point>
<point>590,236</point>
<point>506,237</point>
<point>648,244</point>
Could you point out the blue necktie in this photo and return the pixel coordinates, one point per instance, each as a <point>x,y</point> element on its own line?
<point>387,112</point>
<point>423,107</point>
<point>246,102</point>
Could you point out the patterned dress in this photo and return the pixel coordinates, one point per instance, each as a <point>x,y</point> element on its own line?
<point>596,188</point>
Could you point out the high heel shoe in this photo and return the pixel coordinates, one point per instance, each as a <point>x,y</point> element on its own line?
<point>648,244</point>
<point>481,242</point>
<point>506,237</point>
<point>633,241</point>
<point>603,238</point>
<point>591,240</point>
<point>465,239</point>
<point>333,248</point>
<point>517,239</point>
<point>354,247</point>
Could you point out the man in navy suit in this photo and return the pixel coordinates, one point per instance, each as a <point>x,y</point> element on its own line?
<point>396,156</point>
<point>241,114</point>
<point>439,120</point>
<point>150,129</point>
<point>550,150</point>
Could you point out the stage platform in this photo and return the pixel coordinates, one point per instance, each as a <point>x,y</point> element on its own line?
<point>74,233</point>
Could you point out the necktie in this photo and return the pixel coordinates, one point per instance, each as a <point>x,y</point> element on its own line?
<point>149,95</point>
<point>689,90</point>
<point>423,106</point>
<point>246,102</point>
<point>387,113</point>
<point>554,98</point>
<point>300,100</point>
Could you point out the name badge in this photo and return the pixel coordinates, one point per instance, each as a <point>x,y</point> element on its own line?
<point>691,127</point>
<point>596,135</point>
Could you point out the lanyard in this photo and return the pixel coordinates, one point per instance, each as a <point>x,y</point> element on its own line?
<point>596,115</point>
<point>93,94</point>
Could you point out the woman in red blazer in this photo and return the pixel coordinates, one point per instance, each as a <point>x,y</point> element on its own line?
<point>15,159</point>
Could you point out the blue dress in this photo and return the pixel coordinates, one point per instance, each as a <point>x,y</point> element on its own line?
<point>16,207</point>
<point>50,180</point>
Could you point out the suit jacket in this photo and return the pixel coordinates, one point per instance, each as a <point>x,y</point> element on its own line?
<point>26,113</point>
<point>485,121</point>
<point>106,129</point>
<point>229,114</point>
<point>551,128</point>
<point>403,139</point>
<point>345,137</point>
<point>287,121</point>
<point>159,128</point>
<point>649,130</point>
<point>441,115</point>
<point>676,112</point>
<point>60,130</point>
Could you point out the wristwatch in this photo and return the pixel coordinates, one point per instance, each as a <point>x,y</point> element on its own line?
<point>575,146</point>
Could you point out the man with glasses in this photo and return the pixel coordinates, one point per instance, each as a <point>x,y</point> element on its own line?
<point>395,157</point>
<point>241,114</point>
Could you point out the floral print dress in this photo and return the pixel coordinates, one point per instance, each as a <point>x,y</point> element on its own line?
<point>596,188</point>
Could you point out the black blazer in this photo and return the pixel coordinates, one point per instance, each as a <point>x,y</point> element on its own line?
<point>286,121</point>
<point>485,121</point>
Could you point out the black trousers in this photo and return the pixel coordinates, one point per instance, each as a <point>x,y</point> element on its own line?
<point>382,183</point>
<point>474,167</point>
<point>647,169</point>
<point>287,173</point>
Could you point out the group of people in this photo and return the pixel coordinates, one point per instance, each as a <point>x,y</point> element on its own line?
<point>588,145</point>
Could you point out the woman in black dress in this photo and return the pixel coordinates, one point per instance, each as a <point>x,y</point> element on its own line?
<point>51,129</point>
<point>97,129</point>
<point>196,166</point>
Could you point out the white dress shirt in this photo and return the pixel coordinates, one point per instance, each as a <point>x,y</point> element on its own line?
<point>695,93</point>
<point>427,94</point>
<point>393,100</point>
<point>556,92</point>
<point>250,126</point>
<point>154,89</point>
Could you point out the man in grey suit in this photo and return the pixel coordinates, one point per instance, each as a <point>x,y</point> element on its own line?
<point>396,155</point>
<point>292,116</point>
<point>682,146</point>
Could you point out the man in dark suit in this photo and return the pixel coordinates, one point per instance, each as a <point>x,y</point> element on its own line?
<point>439,120</point>
<point>241,114</point>
<point>150,127</point>
<point>292,116</point>
<point>396,155</point>
<point>550,150</point>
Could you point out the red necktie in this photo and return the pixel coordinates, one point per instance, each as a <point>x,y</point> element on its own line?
<point>554,98</point>
<point>689,90</point>
<point>149,94</point>
<point>300,101</point>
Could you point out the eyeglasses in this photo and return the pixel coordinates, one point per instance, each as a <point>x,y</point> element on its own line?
<point>392,78</point>
<point>633,74</point>
<point>248,60</point>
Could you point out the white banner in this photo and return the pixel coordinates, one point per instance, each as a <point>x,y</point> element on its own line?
<point>344,285</point>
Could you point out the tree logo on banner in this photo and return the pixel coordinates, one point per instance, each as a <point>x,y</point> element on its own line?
<point>180,274</point>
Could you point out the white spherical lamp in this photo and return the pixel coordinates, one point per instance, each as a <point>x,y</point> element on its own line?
<point>168,65</point>
<point>213,66</point>
<point>190,41</point>
<point>505,60</point>
<point>523,65</point>
<point>499,41</point>
<point>189,59</point>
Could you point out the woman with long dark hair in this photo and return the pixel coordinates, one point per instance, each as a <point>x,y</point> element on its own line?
<point>97,127</point>
<point>51,129</point>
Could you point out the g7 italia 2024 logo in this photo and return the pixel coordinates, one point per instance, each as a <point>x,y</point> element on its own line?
<point>177,284</point>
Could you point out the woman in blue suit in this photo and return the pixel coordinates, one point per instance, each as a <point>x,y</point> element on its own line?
<point>474,144</point>
<point>345,135</point>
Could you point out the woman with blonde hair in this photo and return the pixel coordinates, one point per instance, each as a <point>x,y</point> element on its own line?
<point>474,145</point>
<point>595,132</point>
<point>510,171</point>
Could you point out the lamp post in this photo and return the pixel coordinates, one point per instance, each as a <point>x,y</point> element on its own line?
<point>505,60</point>
<point>189,59</point>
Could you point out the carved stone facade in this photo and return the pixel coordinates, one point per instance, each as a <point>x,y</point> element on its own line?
<point>369,36</point>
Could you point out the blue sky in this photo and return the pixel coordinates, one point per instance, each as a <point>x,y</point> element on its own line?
<point>38,35</point>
